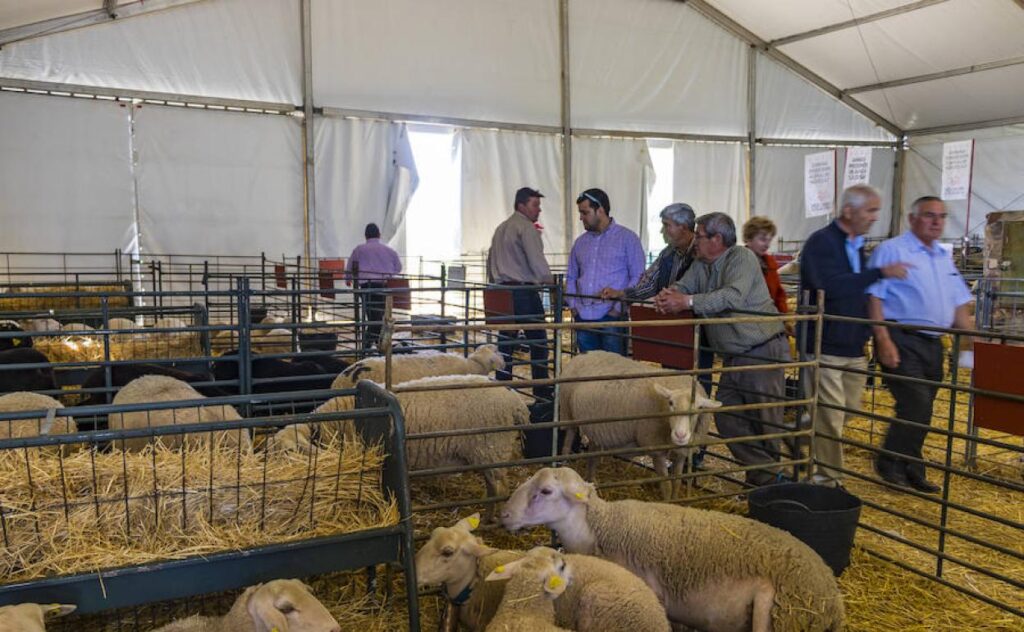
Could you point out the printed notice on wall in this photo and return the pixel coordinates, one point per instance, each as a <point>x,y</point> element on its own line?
<point>956,169</point>
<point>820,183</point>
<point>858,166</point>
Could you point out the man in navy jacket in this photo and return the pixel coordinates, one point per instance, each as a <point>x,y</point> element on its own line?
<point>833,260</point>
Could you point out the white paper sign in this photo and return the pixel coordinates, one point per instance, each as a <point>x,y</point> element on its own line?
<point>956,169</point>
<point>820,183</point>
<point>858,166</point>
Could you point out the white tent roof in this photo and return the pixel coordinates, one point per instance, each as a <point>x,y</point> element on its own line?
<point>920,64</point>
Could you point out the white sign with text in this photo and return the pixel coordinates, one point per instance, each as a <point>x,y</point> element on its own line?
<point>858,166</point>
<point>956,169</point>
<point>820,183</point>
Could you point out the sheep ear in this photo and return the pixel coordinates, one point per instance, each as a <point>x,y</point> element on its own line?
<point>554,585</point>
<point>663,391</point>
<point>503,571</point>
<point>706,402</point>
<point>469,523</point>
<point>579,492</point>
<point>477,548</point>
<point>265,616</point>
<point>58,609</point>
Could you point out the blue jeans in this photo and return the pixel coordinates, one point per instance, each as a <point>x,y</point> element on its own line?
<point>611,339</point>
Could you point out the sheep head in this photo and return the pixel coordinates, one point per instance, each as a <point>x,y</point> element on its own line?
<point>30,617</point>
<point>691,397</point>
<point>552,496</point>
<point>547,566</point>
<point>488,357</point>
<point>286,605</point>
<point>450,556</point>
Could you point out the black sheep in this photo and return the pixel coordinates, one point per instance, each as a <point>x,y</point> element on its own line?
<point>13,343</point>
<point>35,380</point>
<point>121,374</point>
<point>318,374</point>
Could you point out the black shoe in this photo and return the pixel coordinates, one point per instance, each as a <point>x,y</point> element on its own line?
<point>921,483</point>
<point>892,472</point>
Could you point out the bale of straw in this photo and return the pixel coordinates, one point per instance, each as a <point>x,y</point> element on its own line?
<point>14,300</point>
<point>95,510</point>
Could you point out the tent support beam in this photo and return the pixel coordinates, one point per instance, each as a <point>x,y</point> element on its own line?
<point>839,26</point>
<point>751,127</point>
<point>87,18</point>
<point>966,127</point>
<point>65,89</point>
<point>954,72</point>
<point>896,217</point>
<point>817,142</point>
<point>568,196</point>
<point>739,31</point>
<point>308,139</point>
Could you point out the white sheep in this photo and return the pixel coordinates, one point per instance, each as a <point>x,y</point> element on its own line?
<point>534,582</point>
<point>455,409</point>
<point>170,322</point>
<point>24,401</point>
<point>637,398</point>
<point>294,438</point>
<point>285,605</point>
<point>40,324</point>
<point>74,327</point>
<point>31,617</point>
<point>602,596</point>
<point>271,341</point>
<point>412,366</point>
<point>711,570</point>
<point>161,388</point>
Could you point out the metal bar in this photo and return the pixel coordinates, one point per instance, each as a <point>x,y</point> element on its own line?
<point>439,120</point>
<point>713,14</point>
<point>568,197</point>
<point>86,18</point>
<point>309,164</point>
<point>144,95</point>
<point>751,127</point>
<point>840,26</point>
<point>137,585</point>
<point>795,142</point>
<point>615,133</point>
<point>944,510</point>
<point>966,127</point>
<point>899,165</point>
<point>933,76</point>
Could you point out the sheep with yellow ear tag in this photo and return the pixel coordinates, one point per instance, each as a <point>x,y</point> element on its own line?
<point>534,582</point>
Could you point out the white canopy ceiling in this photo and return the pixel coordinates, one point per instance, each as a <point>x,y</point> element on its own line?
<point>920,64</point>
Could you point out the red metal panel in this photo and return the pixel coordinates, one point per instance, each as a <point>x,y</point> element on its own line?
<point>649,343</point>
<point>994,370</point>
<point>401,300</point>
<point>330,269</point>
<point>498,308</point>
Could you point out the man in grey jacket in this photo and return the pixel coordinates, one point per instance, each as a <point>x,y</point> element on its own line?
<point>727,281</point>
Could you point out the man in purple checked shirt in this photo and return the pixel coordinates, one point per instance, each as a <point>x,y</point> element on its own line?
<point>607,255</point>
<point>371,264</point>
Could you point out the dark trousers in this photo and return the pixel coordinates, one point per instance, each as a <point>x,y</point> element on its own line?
<point>920,357</point>
<point>528,308</point>
<point>754,387</point>
<point>373,311</point>
<point>612,339</point>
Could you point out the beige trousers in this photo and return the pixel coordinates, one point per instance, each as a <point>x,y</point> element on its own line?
<point>837,388</point>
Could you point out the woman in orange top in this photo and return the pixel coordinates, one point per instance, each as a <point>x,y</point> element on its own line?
<point>758,234</point>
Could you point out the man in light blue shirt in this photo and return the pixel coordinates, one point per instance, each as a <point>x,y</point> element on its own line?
<point>932,294</point>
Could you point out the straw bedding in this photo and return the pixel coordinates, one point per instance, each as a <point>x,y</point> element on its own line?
<point>11,301</point>
<point>94,510</point>
<point>89,348</point>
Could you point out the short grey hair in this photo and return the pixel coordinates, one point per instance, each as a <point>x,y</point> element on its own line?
<point>680,213</point>
<point>858,195</point>
<point>719,224</point>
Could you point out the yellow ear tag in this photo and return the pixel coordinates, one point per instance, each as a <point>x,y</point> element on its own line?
<point>580,495</point>
<point>554,582</point>
<point>474,522</point>
<point>499,569</point>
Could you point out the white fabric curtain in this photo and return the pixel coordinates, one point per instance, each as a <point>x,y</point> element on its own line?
<point>997,183</point>
<point>790,107</point>
<point>623,169</point>
<point>496,60</point>
<point>365,173</point>
<point>779,189</point>
<point>215,182</point>
<point>65,175</point>
<point>494,166</point>
<point>711,177</point>
<point>241,49</point>
<point>654,65</point>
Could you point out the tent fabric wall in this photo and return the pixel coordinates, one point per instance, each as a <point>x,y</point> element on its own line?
<point>623,169</point>
<point>779,189</point>
<point>365,173</point>
<point>214,183</point>
<point>494,61</point>
<point>238,49</point>
<point>632,69</point>
<point>495,165</point>
<point>711,177</point>
<point>65,175</point>
<point>997,185</point>
<point>790,107</point>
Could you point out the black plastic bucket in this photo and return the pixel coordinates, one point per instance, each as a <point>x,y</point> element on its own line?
<point>823,518</point>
